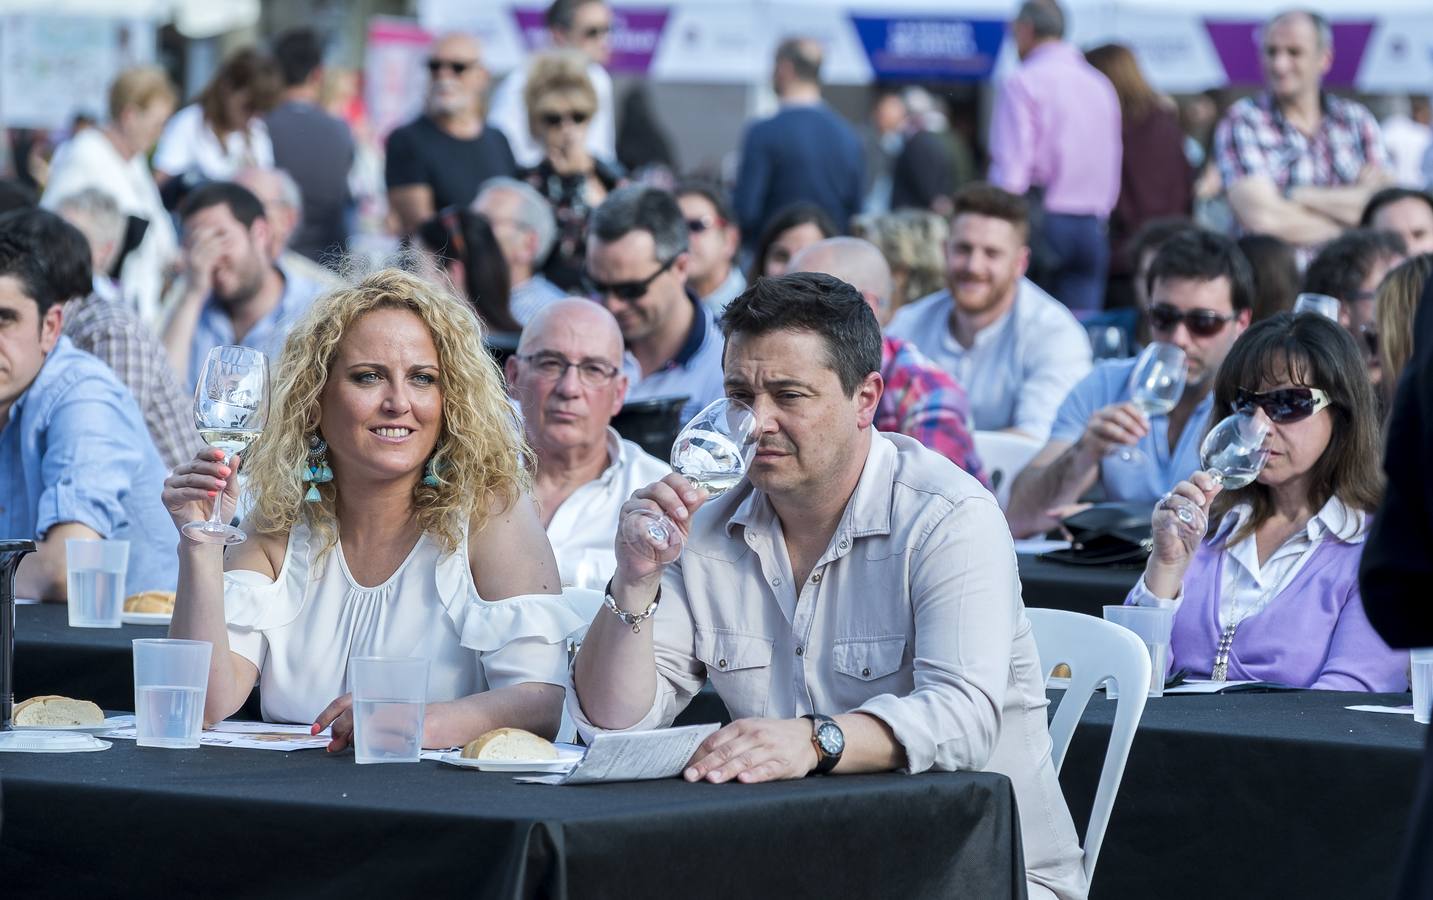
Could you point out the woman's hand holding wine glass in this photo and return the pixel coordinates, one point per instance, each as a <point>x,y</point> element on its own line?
<point>1181,519</point>
<point>231,407</point>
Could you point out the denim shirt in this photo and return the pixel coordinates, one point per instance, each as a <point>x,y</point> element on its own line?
<point>216,329</point>
<point>75,449</point>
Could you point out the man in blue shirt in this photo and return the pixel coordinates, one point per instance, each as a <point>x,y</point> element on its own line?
<point>234,291</point>
<point>804,152</point>
<point>1201,295</point>
<point>75,458</point>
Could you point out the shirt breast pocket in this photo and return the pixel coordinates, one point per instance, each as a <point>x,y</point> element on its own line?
<point>739,667</point>
<point>869,658</point>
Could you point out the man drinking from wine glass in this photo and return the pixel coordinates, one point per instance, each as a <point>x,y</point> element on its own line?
<point>76,460</point>
<point>1201,298</point>
<point>854,601</point>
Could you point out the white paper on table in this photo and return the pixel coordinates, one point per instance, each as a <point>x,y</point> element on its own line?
<point>633,756</point>
<point>1032,546</point>
<point>1396,710</point>
<point>1199,686</point>
<point>246,735</point>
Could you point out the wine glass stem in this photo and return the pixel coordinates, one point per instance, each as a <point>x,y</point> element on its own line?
<point>216,519</point>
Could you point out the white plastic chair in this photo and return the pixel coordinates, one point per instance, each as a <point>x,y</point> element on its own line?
<point>1004,454</point>
<point>1095,651</point>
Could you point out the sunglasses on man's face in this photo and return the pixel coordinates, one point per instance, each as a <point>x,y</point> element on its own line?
<point>595,32</point>
<point>626,291</point>
<point>1282,406</point>
<point>1164,318</point>
<point>702,223</point>
<point>555,119</point>
<point>456,66</point>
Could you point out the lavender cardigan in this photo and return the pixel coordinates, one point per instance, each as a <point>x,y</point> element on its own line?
<point>1313,633</point>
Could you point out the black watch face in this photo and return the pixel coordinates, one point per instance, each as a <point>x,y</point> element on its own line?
<point>831,739</point>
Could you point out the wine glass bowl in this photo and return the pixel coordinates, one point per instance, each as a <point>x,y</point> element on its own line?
<point>231,407</point>
<point>1232,454</point>
<point>1156,384</point>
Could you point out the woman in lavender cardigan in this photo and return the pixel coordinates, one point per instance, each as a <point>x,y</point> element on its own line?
<point>1270,593</point>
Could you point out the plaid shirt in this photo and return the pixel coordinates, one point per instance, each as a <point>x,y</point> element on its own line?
<point>923,402</point>
<point>110,331</point>
<point>1255,139</point>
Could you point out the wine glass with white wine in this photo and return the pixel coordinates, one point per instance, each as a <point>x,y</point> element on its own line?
<point>713,452</point>
<point>1156,384</point>
<point>1233,454</point>
<point>231,407</point>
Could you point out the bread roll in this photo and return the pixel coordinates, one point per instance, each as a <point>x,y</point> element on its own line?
<point>508,744</point>
<point>150,602</point>
<point>53,710</point>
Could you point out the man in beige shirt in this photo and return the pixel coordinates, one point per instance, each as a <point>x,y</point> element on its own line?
<point>855,602</point>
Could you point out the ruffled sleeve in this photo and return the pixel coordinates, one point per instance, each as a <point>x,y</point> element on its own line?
<point>253,604</point>
<point>521,639</point>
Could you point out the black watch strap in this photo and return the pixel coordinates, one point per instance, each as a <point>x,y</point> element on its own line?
<point>825,761</point>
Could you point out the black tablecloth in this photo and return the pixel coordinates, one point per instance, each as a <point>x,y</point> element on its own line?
<point>1251,795</point>
<point>226,822</point>
<point>87,663</point>
<point>1083,589</point>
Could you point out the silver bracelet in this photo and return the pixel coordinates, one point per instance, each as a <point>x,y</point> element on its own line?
<point>633,619</point>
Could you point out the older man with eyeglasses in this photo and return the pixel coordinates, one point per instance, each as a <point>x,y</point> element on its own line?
<point>566,376</point>
<point>1201,297</point>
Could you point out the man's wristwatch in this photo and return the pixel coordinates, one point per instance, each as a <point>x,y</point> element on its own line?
<point>830,742</point>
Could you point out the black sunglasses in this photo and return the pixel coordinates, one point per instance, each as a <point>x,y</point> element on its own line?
<point>626,291</point>
<point>554,119</point>
<point>1165,318</point>
<point>1284,405</point>
<point>595,32</point>
<point>456,66</point>
<point>702,223</point>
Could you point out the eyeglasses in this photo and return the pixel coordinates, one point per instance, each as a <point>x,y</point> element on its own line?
<point>1201,322</point>
<point>456,66</point>
<point>553,367</point>
<point>555,119</point>
<point>626,291</point>
<point>596,31</point>
<point>702,223</point>
<point>1283,406</point>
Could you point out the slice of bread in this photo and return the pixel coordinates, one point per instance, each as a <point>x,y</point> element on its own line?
<point>508,744</point>
<point>52,710</point>
<point>150,602</point>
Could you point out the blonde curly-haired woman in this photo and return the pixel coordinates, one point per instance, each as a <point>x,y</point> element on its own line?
<point>391,518</point>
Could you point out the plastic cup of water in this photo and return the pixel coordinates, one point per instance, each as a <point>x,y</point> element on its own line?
<point>95,573</point>
<point>1319,304</point>
<point>170,679</point>
<point>1421,676</point>
<point>389,696</point>
<point>1153,625</point>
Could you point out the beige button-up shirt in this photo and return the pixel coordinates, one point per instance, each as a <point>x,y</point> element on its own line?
<point>912,615</point>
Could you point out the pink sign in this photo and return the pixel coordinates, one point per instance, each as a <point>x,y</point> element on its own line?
<point>1237,43</point>
<point>636,33</point>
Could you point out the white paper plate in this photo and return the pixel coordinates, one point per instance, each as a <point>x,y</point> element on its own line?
<point>139,618</point>
<point>107,725</point>
<point>49,741</point>
<point>567,757</point>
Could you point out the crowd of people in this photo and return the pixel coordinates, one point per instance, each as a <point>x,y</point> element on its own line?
<point>856,600</point>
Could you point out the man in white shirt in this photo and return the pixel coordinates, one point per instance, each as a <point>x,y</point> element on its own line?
<point>525,227</point>
<point>1016,349</point>
<point>584,25</point>
<point>567,377</point>
<point>855,602</point>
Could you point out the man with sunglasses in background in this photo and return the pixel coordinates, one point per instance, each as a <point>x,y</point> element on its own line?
<point>567,377</point>
<point>713,243</point>
<point>439,159</point>
<point>584,25</point>
<point>1201,291</point>
<point>1349,269</point>
<point>637,267</point>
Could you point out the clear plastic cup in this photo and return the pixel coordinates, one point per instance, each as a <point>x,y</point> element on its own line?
<point>389,696</point>
<point>1421,678</point>
<point>1153,625</point>
<point>170,680</point>
<point>1318,304</point>
<point>95,573</point>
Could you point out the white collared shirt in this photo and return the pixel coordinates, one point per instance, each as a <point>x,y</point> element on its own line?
<point>1018,370</point>
<point>1247,587</point>
<point>583,528</point>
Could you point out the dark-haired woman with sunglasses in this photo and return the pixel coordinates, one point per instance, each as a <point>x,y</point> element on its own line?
<point>561,102</point>
<point>1270,591</point>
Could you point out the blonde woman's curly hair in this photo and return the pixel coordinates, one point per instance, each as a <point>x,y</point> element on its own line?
<point>480,451</point>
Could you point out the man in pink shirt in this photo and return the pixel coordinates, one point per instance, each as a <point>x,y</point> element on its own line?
<point>1056,135</point>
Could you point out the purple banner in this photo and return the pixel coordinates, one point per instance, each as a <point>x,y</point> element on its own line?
<point>636,34</point>
<point>1237,43</point>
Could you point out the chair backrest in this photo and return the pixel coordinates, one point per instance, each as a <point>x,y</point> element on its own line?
<point>1095,651</point>
<point>1004,454</point>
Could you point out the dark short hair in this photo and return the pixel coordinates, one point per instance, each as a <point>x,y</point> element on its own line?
<point>61,249</point>
<point>1275,265</point>
<point>804,65</point>
<point>809,301</point>
<point>786,218</point>
<point>239,199</point>
<point>1199,254</point>
<point>640,208</point>
<point>20,258</point>
<point>16,194</point>
<point>1387,197</point>
<point>981,198</point>
<point>1044,17</point>
<point>1345,262</point>
<point>562,13</point>
<point>709,191</point>
<point>1152,235</point>
<point>298,53</point>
